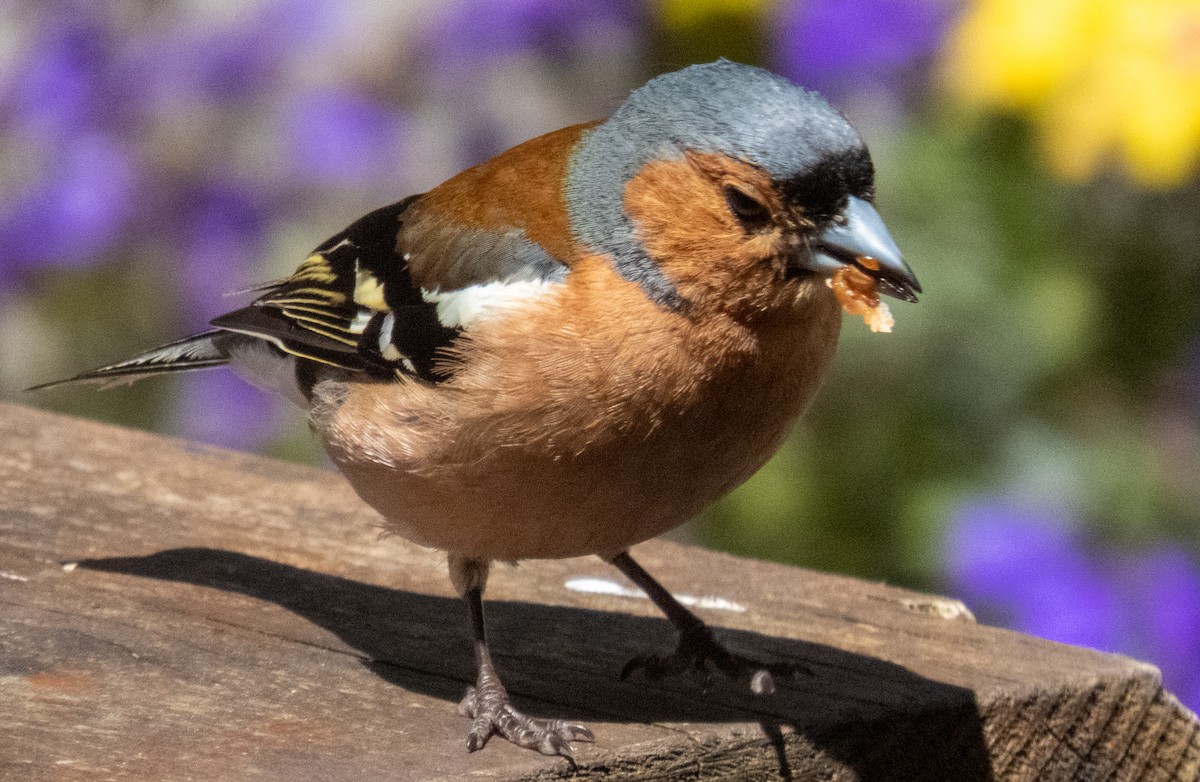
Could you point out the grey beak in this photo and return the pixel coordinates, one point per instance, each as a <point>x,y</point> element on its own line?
<point>860,238</point>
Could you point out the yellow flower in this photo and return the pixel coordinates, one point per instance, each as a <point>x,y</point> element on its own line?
<point>690,13</point>
<point>1099,77</point>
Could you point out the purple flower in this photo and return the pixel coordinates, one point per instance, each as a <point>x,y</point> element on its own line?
<point>475,31</point>
<point>344,137</point>
<point>1027,571</point>
<point>78,208</point>
<point>1032,572</point>
<point>483,54</point>
<point>226,61</point>
<point>79,190</point>
<point>225,224</point>
<point>187,65</point>
<point>219,408</point>
<point>225,234</point>
<point>58,86</point>
<point>838,46</point>
<point>1164,587</point>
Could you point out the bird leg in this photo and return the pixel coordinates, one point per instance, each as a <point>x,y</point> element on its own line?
<point>488,705</point>
<point>697,647</point>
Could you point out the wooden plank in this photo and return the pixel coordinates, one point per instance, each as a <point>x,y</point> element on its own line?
<point>238,618</point>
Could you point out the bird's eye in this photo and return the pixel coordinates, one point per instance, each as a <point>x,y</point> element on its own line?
<point>749,211</point>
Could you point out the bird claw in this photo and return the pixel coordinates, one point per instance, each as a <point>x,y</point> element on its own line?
<point>492,714</point>
<point>697,650</point>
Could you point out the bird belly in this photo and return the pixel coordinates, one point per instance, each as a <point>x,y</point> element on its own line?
<point>573,478</point>
<point>527,506</point>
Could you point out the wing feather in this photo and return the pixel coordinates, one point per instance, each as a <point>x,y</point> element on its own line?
<point>355,304</point>
<point>199,351</point>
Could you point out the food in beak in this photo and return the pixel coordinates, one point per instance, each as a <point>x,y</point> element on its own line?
<point>857,293</point>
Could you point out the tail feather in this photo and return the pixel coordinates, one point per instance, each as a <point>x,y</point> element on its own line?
<point>198,351</point>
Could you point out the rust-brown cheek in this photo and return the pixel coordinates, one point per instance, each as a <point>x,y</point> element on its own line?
<point>684,223</point>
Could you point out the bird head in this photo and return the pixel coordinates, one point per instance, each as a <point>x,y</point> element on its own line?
<point>727,184</point>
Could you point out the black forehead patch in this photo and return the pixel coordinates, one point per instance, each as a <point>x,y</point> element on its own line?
<point>822,190</point>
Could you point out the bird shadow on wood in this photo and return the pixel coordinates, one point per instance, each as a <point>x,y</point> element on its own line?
<point>878,718</point>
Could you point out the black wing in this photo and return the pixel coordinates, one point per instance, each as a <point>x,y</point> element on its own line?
<point>352,304</point>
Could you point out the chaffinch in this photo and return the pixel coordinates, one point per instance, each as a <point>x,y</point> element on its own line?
<point>579,344</point>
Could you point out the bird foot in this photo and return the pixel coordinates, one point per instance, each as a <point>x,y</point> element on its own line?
<point>488,705</point>
<point>698,649</point>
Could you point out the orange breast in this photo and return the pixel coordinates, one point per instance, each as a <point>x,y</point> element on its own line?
<point>585,424</point>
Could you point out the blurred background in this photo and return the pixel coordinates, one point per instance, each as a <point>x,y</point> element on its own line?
<point>1028,439</point>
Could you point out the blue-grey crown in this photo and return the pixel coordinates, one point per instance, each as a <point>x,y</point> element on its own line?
<point>720,107</point>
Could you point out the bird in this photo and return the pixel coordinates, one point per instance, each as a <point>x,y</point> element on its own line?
<point>578,344</point>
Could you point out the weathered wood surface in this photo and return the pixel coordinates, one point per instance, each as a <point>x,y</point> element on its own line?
<point>237,618</point>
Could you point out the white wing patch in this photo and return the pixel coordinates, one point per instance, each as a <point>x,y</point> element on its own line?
<point>360,322</point>
<point>467,306</point>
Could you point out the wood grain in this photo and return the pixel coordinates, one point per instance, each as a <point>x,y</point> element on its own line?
<point>231,617</point>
